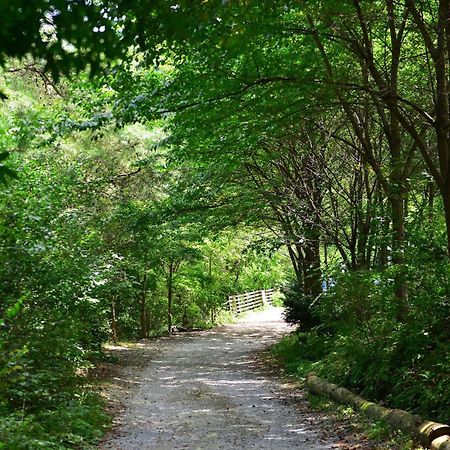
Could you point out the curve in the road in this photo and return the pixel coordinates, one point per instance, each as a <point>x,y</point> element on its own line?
<point>205,392</point>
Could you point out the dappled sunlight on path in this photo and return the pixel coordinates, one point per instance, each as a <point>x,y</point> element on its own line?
<point>204,391</point>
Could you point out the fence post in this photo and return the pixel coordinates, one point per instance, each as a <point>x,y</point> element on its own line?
<point>263,298</point>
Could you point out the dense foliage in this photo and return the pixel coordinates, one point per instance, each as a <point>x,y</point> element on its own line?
<point>223,139</point>
<point>93,250</point>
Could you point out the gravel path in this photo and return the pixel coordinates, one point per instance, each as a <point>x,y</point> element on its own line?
<point>205,391</point>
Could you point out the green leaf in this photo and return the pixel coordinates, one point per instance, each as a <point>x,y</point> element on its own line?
<point>13,310</point>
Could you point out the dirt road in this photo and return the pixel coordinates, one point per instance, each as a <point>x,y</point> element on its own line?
<point>205,391</point>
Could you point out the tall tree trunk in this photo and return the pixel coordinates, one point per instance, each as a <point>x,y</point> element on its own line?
<point>312,270</point>
<point>325,261</point>
<point>362,251</point>
<point>397,200</point>
<point>297,264</point>
<point>398,255</point>
<point>446,201</point>
<point>383,257</point>
<point>353,255</point>
<point>383,230</point>
<point>431,193</point>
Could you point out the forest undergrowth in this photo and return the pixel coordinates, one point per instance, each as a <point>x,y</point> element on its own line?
<point>351,336</point>
<point>157,157</point>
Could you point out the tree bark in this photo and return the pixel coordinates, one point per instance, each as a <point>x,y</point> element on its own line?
<point>312,271</point>
<point>398,255</point>
<point>297,264</point>
<point>446,201</point>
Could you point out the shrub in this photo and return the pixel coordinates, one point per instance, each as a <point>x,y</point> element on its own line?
<point>405,364</point>
<point>299,308</point>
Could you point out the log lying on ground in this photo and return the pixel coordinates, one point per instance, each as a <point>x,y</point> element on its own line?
<point>430,434</point>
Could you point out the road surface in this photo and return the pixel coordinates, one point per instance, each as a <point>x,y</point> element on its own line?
<point>205,390</point>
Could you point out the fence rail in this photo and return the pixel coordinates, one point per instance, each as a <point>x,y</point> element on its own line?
<point>247,301</point>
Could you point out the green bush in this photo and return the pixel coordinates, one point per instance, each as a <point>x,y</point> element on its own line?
<point>73,424</point>
<point>43,401</point>
<point>406,363</point>
<point>299,308</point>
<point>278,299</point>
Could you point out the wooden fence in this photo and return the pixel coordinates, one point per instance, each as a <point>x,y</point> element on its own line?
<point>247,301</point>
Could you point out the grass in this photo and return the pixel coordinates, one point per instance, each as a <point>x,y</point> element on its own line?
<point>79,423</point>
<point>381,436</point>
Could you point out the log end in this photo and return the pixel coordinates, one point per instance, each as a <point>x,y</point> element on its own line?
<point>430,434</point>
<point>441,443</point>
<point>431,431</point>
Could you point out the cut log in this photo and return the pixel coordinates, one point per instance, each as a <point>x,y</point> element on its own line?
<point>426,432</point>
<point>441,443</point>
